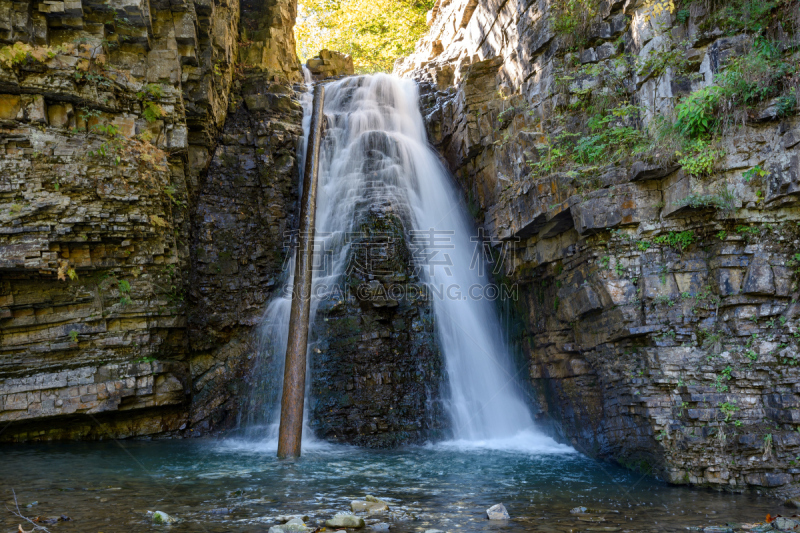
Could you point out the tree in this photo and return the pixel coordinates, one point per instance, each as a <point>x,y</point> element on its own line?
<point>374,32</point>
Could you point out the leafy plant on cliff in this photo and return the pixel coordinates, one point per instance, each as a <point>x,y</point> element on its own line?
<point>680,240</point>
<point>608,137</point>
<point>149,95</point>
<point>695,114</point>
<point>21,53</point>
<point>748,16</point>
<point>724,201</point>
<point>699,158</point>
<point>111,148</point>
<point>64,271</point>
<point>762,73</point>
<point>572,20</point>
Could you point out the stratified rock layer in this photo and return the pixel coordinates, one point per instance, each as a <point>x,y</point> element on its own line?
<point>109,115</point>
<point>657,309</point>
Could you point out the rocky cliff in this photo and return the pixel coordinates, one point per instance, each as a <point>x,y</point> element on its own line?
<point>123,259</point>
<point>642,158</point>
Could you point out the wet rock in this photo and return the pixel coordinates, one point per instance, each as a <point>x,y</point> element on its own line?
<point>357,384</point>
<point>793,502</point>
<point>786,524</point>
<point>293,525</point>
<point>345,520</point>
<point>380,526</point>
<point>578,510</point>
<point>497,512</point>
<point>160,517</point>
<point>402,516</point>
<point>372,505</point>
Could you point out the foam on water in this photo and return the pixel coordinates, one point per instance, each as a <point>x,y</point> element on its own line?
<point>526,441</point>
<point>270,445</point>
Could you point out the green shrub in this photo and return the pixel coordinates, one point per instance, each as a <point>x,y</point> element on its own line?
<point>745,16</point>
<point>723,201</point>
<point>695,114</point>
<point>152,111</point>
<point>680,240</point>
<point>572,20</point>
<point>700,159</point>
<point>754,173</point>
<point>787,103</point>
<point>760,74</point>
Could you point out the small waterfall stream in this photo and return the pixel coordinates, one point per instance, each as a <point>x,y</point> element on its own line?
<point>375,152</point>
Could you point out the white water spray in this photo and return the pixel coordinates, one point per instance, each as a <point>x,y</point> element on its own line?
<point>375,153</point>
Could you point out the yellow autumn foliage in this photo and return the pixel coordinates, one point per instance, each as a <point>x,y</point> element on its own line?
<point>19,52</point>
<point>374,32</point>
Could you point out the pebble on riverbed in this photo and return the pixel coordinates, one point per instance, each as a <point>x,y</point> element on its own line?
<point>345,520</point>
<point>372,505</point>
<point>497,512</point>
<point>295,525</point>
<point>786,524</point>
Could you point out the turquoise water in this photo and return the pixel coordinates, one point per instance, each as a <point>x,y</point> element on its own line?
<point>105,487</point>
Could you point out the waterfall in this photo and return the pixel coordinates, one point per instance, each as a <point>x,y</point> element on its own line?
<point>375,152</point>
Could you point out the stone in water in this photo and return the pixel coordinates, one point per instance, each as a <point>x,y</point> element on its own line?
<point>497,512</point>
<point>345,520</point>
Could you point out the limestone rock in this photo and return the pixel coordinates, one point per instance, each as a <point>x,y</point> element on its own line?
<point>330,64</point>
<point>369,507</point>
<point>497,512</point>
<point>295,525</point>
<point>786,524</point>
<point>345,521</point>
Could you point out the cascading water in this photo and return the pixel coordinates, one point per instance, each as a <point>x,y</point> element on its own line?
<point>375,153</point>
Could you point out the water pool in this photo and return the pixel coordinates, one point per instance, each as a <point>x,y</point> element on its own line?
<point>110,486</point>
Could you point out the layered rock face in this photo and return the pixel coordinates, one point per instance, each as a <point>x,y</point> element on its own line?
<point>658,292</point>
<point>109,115</point>
<point>330,64</point>
<point>376,372</point>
